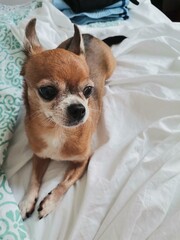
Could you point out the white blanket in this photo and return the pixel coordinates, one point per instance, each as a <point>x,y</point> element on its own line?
<point>131,189</point>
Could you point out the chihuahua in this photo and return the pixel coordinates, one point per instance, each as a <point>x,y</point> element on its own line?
<point>63,90</point>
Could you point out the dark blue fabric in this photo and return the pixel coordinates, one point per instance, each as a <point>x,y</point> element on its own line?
<point>116,11</point>
<point>79,6</point>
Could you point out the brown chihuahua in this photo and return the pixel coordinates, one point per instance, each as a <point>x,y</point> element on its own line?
<point>63,91</point>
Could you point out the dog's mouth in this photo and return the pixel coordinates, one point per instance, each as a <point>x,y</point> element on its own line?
<point>74,123</point>
<point>66,122</point>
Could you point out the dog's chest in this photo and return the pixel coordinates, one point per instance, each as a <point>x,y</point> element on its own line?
<point>54,143</point>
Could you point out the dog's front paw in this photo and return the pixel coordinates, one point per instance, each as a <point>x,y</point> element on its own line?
<point>47,205</point>
<point>27,206</point>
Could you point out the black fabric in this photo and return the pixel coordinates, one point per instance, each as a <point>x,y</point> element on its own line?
<point>114,40</point>
<point>91,5</point>
<point>135,2</point>
<point>88,5</point>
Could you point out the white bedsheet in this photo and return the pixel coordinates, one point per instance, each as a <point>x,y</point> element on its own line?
<point>131,189</point>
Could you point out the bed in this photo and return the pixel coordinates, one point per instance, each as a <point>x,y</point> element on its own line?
<point>131,188</point>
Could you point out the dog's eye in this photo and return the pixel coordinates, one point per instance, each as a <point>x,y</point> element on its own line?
<point>48,92</point>
<point>87,91</point>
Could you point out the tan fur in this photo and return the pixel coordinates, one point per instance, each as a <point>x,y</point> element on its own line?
<point>51,140</point>
<point>57,71</point>
<point>27,205</point>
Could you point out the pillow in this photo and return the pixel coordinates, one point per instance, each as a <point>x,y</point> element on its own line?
<point>11,56</point>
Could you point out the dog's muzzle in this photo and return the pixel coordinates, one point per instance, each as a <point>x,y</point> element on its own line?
<point>76,113</point>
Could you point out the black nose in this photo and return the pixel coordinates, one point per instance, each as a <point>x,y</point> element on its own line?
<point>76,111</point>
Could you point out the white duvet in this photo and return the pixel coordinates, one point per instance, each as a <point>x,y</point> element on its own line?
<point>132,187</point>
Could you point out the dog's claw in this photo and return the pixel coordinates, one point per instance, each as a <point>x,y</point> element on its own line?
<point>40,208</point>
<point>28,214</point>
<point>40,216</point>
<point>27,207</point>
<point>46,206</point>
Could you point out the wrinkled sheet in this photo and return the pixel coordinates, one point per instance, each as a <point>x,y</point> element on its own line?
<point>131,188</point>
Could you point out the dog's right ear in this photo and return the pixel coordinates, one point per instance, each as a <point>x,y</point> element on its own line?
<point>74,44</point>
<point>32,44</point>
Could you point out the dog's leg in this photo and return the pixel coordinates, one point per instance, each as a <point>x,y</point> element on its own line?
<point>74,172</point>
<point>28,203</point>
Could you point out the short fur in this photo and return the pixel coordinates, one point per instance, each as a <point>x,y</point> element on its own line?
<point>77,62</point>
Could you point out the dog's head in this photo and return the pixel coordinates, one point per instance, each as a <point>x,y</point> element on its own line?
<point>57,83</point>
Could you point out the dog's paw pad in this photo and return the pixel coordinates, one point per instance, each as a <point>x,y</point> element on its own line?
<point>27,207</point>
<point>46,206</point>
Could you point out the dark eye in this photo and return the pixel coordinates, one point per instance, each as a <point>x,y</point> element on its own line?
<point>48,92</point>
<point>87,91</point>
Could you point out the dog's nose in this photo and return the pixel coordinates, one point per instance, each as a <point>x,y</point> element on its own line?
<point>76,111</point>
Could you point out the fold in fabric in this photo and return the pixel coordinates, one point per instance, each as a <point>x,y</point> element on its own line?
<point>131,188</point>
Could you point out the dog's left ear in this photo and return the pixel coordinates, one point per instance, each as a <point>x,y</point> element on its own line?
<point>74,44</point>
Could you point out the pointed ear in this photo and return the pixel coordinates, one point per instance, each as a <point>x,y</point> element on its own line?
<point>74,44</point>
<point>32,44</point>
